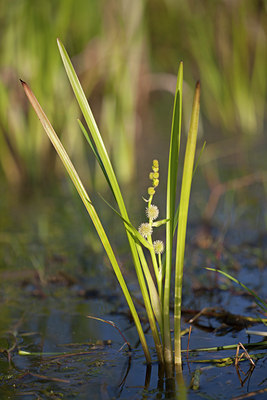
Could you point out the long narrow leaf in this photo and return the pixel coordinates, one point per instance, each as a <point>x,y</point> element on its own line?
<point>261,303</point>
<point>176,217</point>
<point>91,123</point>
<point>96,154</point>
<point>99,145</point>
<point>183,214</point>
<point>170,208</point>
<point>90,208</point>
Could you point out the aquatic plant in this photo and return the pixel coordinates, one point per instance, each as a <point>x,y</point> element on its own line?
<point>155,293</point>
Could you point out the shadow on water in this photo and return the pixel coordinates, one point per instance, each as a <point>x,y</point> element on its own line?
<point>53,274</point>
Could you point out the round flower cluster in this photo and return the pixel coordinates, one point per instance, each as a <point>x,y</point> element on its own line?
<point>158,246</point>
<point>152,212</point>
<point>145,229</point>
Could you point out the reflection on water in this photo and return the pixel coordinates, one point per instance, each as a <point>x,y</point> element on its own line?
<point>53,274</point>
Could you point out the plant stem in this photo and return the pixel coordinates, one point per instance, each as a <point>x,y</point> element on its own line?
<point>154,297</point>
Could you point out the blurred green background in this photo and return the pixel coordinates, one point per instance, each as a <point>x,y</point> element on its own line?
<point>126,54</point>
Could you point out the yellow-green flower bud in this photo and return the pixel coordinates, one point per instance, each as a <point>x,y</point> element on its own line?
<point>151,191</point>
<point>155,166</point>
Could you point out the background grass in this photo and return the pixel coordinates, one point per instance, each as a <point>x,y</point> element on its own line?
<point>126,53</point>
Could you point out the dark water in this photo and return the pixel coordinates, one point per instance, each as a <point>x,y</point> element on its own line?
<point>54,273</point>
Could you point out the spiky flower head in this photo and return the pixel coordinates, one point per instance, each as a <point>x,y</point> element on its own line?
<point>152,212</point>
<point>145,229</point>
<point>158,246</point>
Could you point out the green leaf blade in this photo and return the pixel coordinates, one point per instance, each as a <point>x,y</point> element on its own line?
<point>183,216</point>
<point>170,208</point>
<point>90,209</point>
